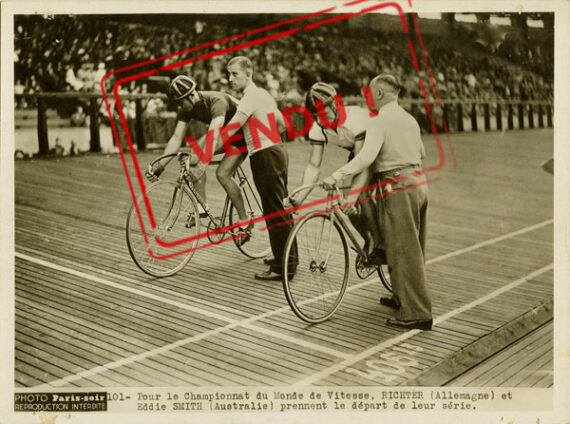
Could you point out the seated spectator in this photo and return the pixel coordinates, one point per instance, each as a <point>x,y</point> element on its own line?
<point>72,80</point>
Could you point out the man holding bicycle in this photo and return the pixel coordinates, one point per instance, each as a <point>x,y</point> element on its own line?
<point>394,148</point>
<point>350,136</point>
<point>215,109</point>
<point>268,158</point>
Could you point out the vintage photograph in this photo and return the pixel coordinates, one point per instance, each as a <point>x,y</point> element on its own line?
<point>354,199</point>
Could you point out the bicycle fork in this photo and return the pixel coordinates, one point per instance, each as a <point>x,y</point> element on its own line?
<point>173,211</point>
<point>322,265</point>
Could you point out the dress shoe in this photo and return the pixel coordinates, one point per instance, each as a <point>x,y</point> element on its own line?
<point>269,261</point>
<point>390,302</point>
<point>420,324</point>
<point>271,275</point>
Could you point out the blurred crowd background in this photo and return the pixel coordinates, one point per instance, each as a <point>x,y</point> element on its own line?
<point>469,61</point>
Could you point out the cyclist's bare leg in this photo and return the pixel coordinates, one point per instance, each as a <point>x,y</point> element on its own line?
<point>358,223</point>
<point>365,221</point>
<point>200,183</point>
<point>224,174</point>
<point>368,218</point>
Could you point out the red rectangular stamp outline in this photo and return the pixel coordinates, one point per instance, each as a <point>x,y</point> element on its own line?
<point>306,27</point>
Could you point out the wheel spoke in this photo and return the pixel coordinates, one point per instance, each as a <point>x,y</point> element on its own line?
<point>170,206</point>
<point>322,274</point>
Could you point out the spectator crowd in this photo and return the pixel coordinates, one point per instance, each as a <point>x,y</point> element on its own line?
<point>72,53</point>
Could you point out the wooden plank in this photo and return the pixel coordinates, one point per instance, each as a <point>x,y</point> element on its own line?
<point>63,217</point>
<point>472,354</point>
<point>132,308</point>
<point>513,364</point>
<point>138,343</point>
<point>547,379</point>
<point>532,372</point>
<point>91,343</point>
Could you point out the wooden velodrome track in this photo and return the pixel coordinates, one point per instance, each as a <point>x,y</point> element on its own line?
<point>86,316</point>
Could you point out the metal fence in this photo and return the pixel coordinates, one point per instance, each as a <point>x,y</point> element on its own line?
<point>452,115</point>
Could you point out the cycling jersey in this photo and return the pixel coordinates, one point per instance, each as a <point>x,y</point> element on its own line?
<point>346,135</point>
<point>257,103</point>
<point>211,105</point>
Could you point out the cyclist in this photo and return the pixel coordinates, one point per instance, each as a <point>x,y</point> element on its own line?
<point>215,109</point>
<point>350,136</point>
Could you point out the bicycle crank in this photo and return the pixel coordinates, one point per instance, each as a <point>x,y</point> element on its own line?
<point>363,270</point>
<point>213,236</point>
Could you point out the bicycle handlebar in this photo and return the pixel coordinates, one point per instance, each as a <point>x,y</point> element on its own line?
<point>304,187</point>
<point>307,186</point>
<point>182,155</point>
<point>170,155</point>
<point>310,186</point>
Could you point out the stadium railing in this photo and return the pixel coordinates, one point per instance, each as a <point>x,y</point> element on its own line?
<point>453,115</point>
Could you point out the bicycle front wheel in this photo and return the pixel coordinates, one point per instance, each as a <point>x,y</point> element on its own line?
<point>155,250</point>
<point>258,245</point>
<point>318,249</point>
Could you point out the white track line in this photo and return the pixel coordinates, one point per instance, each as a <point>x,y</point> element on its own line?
<point>246,323</point>
<point>124,287</point>
<point>388,343</point>
<point>491,241</point>
<point>232,324</point>
<point>129,360</point>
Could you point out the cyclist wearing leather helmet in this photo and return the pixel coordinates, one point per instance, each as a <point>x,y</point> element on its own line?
<point>215,109</point>
<point>349,136</point>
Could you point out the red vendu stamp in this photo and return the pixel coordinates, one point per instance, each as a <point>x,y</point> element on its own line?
<point>251,38</point>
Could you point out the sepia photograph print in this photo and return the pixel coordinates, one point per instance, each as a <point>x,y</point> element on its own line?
<point>302,211</point>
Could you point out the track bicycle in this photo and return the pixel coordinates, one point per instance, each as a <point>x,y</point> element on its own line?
<point>162,243</point>
<point>319,285</point>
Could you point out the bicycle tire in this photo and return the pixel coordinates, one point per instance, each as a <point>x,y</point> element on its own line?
<point>258,246</point>
<point>173,208</point>
<point>310,293</point>
<point>384,275</point>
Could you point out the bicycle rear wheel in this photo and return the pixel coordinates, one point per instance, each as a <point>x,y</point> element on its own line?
<point>258,245</point>
<point>176,218</point>
<point>316,290</point>
<point>384,275</point>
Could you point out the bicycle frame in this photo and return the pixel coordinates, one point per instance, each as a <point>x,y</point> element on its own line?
<point>337,215</point>
<point>347,229</point>
<point>184,179</point>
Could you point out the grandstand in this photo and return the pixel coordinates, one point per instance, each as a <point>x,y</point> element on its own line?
<point>76,51</point>
<point>470,62</point>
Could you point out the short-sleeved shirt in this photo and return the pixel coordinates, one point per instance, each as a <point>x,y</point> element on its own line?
<point>393,140</point>
<point>259,104</point>
<point>347,134</point>
<point>211,105</point>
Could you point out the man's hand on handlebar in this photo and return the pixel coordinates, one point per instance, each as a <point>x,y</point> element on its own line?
<point>153,172</point>
<point>329,183</point>
<point>295,199</point>
<point>349,210</point>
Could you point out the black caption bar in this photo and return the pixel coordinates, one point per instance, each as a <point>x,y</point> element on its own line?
<point>62,402</point>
